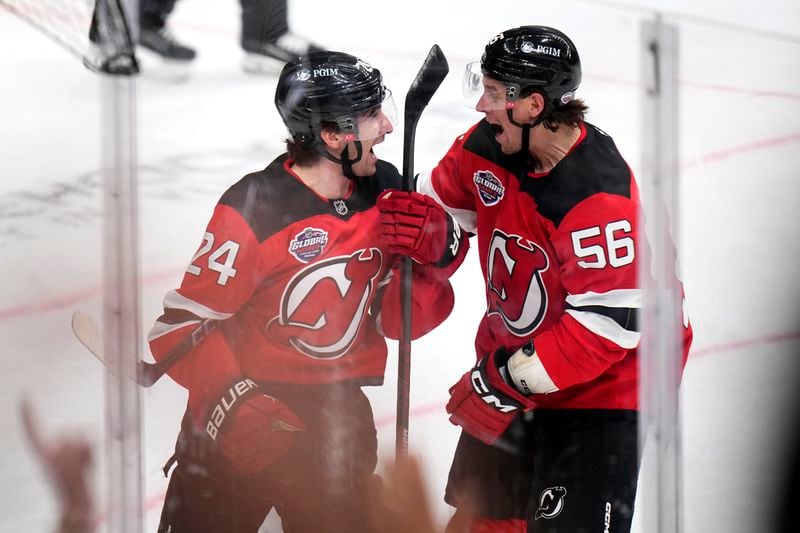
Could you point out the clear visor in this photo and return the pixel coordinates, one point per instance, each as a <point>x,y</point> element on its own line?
<point>371,123</point>
<point>477,88</point>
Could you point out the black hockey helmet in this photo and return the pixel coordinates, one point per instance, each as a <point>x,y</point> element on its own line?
<point>526,57</point>
<point>328,86</point>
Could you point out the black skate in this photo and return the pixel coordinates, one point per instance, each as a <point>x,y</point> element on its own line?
<point>161,42</point>
<point>116,64</point>
<point>269,58</point>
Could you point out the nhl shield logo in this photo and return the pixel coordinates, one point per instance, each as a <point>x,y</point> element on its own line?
<point>490,188</point>
<point>340,206</point>
<point>308,244</point>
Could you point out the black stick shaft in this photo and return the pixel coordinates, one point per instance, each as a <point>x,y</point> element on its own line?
<point>149,373</point>
<point>427,81</point>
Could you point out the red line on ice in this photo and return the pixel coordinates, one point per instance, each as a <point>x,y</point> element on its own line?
<point>73,298</point>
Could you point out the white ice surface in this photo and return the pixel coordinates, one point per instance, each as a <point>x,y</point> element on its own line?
<point>739,249</point>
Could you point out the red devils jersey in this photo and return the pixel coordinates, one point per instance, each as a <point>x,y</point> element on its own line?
<point>303,286</point>
<point>558,252</point>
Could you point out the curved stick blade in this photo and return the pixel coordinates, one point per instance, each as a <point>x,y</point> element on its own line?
<point>430,76</point>
<point>87,332</point>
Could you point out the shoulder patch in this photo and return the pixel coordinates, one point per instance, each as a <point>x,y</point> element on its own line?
<point>308,244</point>
<point>490,188</point>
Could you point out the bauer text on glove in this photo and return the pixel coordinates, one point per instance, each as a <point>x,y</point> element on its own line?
<point>251,428</point>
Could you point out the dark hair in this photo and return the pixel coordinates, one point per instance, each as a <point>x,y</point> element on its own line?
<point>308,153</point>
<point>572,113</point>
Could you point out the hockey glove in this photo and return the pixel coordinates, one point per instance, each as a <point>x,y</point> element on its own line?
<point>250,428</point>
<point>482,403</point>
<point>413,224</point>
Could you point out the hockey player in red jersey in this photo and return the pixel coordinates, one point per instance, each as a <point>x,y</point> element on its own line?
<point>549,412</point>
<point>292,266</point>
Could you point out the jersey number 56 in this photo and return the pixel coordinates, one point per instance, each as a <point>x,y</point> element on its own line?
<point>614,247</point>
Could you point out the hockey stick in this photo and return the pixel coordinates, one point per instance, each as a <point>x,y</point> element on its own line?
<point>427,81</point>
<point>87,332</point>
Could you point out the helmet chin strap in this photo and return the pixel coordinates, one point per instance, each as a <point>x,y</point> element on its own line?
<point>526,131</point>
<point>345,161</point>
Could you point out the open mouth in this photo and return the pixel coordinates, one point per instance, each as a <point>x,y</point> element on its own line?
<point>376,142</point>
<point>497,129</point>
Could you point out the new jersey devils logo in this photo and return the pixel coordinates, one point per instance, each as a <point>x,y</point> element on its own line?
<point>551,502</point>
<point>323,306</point>
<point>515,289</point>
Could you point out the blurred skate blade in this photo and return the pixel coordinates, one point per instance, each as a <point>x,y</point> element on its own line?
<point>259,64</point>
<point>154,66</point>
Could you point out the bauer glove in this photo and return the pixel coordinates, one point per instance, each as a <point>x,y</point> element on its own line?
<point>483,404</point>
<point>251,428</point>
<point>413,224</point>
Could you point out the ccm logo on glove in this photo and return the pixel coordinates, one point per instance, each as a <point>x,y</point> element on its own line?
<point>486,395</point>
<point>483,403</point>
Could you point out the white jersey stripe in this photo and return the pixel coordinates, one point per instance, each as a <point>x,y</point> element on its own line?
<point>173,300</point>
<point>607,328</point>
<point>160,328</point>
<point>465,218</point>
<point>622,298</point>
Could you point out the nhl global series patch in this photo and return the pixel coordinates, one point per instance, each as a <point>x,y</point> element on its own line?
<point>490,188</point>
<point>308,244</point>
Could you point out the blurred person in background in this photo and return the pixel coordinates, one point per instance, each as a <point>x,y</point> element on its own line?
<point>265,36</point>
<point>66,461</point>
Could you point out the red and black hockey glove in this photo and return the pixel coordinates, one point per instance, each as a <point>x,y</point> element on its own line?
<point>483,404</point>
<point>251,428</point>
<point>413,224</point>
